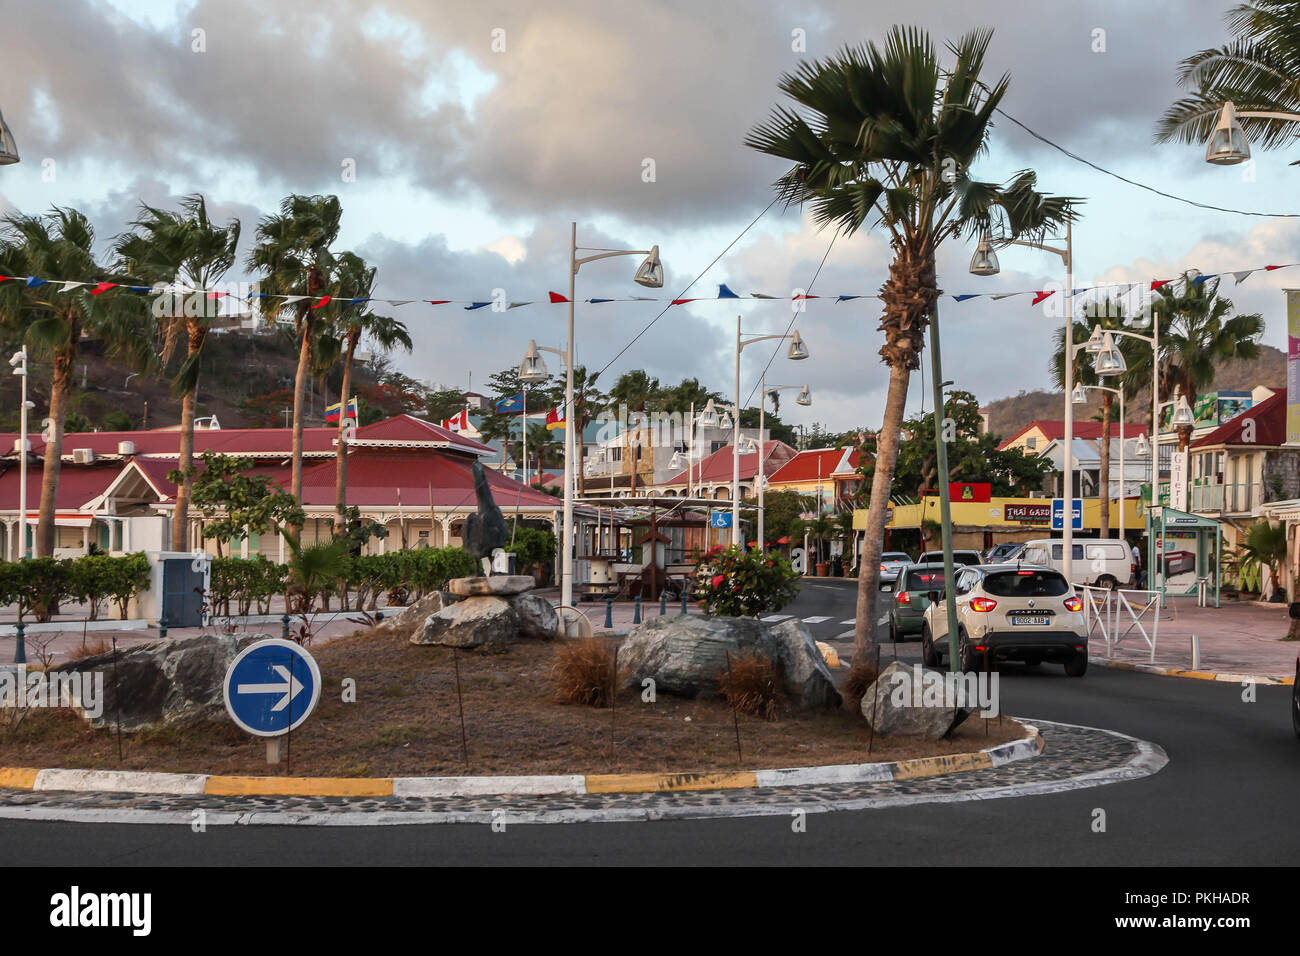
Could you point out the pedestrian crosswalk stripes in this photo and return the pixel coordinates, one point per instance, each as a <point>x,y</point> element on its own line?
<point>817,619</point>
<point>776,618</point>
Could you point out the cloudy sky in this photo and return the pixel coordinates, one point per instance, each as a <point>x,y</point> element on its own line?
<point>479,131</point>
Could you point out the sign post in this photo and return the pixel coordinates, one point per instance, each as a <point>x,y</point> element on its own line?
<point>270,688</point>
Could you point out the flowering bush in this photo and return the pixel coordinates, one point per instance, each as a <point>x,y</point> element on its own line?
<point>738,583</point>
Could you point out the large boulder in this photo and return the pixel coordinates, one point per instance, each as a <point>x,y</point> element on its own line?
<point>803,666</point>
<point>168,682</point>
<point>906,700</point>
<point>473,622</point>
<point>536,616</point>
<point>498,585</point>
<point>685,655</point>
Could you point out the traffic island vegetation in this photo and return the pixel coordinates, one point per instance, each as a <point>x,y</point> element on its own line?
<point>406,721</point>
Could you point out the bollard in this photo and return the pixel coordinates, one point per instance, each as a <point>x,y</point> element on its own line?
<point>1196,653</point>
<point>284,627</point>
<point>379,615</point>
<point>162,631</point>
<point>609,612</point>
<point>636,614</point>
<point>663,603</point>
<point>20,649</point>
<point>683,600</point>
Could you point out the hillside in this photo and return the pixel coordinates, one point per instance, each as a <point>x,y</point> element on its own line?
<point>237,367</point>
<point>1008,415</point>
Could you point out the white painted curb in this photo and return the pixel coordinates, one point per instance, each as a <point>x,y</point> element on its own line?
<point>489,786</point>
<point>121,781</point>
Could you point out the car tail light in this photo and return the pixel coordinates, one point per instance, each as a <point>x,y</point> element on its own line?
<point>904,597</point>
<point>883,568</point>
<point>983,604</point>
<point>1073,604</point>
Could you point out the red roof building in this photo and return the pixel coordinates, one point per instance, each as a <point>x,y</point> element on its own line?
<point>1035,436</point>
<point>409,475</point>
<point>711,476</point>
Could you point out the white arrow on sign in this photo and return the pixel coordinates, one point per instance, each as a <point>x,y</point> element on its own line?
<point>291,687</point>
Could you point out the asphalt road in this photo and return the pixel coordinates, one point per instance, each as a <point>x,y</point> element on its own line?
<point>1227,796</point>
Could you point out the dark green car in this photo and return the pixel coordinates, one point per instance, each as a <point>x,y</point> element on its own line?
<point>911,598</point>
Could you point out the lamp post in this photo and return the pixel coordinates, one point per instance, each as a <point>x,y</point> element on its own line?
<point>1227,145</point>
<point>804,398</point>
<point>985,263</point>
<point>19,363</point>
<point>797,352</point>
<point>8,151</point>
<point>649,274</point>
<point>1080,397</point>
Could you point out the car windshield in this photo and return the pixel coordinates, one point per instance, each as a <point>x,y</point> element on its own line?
<point>925,580</point>
<point>1026,584</point>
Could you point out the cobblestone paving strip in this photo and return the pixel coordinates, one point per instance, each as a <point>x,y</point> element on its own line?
<point>1075,757</point>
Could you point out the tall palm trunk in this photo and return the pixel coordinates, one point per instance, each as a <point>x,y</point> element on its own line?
<point>341,466</point>
<point>60,389</point>
<point>1106,399</point>
<point>873,539</point>
<point>196,334</point>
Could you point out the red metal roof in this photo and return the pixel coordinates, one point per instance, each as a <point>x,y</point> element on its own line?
<point>718,466</point>
<point>808,466</point>
<point>1269,427</point>
<point>1090,430</point>
<point>376,477</point>
<point>78,484</point>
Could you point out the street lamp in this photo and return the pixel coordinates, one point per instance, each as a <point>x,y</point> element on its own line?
<point>803,398</point>
<point>649,274</point>
<point>985,263</point>
<point>19,363</point>
<point>8,150</point>
<point>1227,145</point>
<point>1080,397</point>
<point>797,352</point>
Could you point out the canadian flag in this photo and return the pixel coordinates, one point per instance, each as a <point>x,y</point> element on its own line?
<point>458,422</point>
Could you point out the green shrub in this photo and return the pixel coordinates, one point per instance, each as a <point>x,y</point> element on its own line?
<point>739,583</point>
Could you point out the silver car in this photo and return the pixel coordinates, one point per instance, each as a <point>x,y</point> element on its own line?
<point>892,562</point>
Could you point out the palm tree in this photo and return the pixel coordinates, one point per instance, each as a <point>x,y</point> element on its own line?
<point>636,390</point>
<point>293,250</point>
<point>887,136</point>
<point>586,397</point>
<point>60,245</point>
<point>182,249</point>
<point>1202,333</point>
<point>1258,70</point>
<point>352,320</point>
<point>1104,315</point>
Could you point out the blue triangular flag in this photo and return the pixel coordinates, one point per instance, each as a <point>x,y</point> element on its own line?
<point>476,305</point>
<point>968,295</point>
<point>1200,279</point>
<point>725,293</point>
<point>846,298</point>
<point>598,301</point>
<point>33,282</point>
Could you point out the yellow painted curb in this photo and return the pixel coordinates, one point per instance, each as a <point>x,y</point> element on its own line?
<point>300,786</point>
<point>18,778</point>
<point>937,766</point>
<point>1194,675</point>
<point>667,782</point>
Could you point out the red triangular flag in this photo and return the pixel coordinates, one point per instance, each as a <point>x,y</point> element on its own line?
<point>324,301</point>
<point>798,297</point>
<point>1159,282</point>
<point>680,301</point>
<point>556,297</point>
<point>437,301</point>
<point>103,287</point>
<point>1040,296</point>
<point>1271,268</point>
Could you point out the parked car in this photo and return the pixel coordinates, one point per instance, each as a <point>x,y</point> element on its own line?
<point>958,557</point>
<point>1010,612</point>
<point>891,562</point>
<point>999,552</point>
<point>1096,562</point>
<point>912,597</point>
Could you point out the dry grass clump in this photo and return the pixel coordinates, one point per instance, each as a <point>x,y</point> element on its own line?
<point>92,649</point>
<point>583,672</point>
<point>751,685</point>
<point>862,674</point>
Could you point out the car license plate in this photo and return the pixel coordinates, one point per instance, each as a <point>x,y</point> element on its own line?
<point>1035,620</point>
<point>890,587</point>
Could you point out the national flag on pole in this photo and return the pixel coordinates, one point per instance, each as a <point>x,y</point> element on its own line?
<point>458,422</point>
<point>555,418</point>
<point>332,411</point>
<point>512,405</point>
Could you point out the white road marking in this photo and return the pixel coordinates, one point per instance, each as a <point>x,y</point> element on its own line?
<point>846,634</point>
<point>775,618</point>
<point>850,622</point>
<point>817,620</point>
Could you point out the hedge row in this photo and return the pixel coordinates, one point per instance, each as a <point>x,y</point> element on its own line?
<point>39,585</point>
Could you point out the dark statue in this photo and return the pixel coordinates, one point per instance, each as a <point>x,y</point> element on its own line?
<point>486,530</point>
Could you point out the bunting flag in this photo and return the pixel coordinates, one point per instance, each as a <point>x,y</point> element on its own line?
<point>555,418</point>
<point>725,292</point>
<point>332,411</point>
<point>458,422</point>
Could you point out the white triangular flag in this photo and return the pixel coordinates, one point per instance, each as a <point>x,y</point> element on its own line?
<point>1240,276</point>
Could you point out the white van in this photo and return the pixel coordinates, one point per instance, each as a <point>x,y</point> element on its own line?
<point>1099,562</point>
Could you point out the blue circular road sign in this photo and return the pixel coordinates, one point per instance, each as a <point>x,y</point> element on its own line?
<point>271,687</point>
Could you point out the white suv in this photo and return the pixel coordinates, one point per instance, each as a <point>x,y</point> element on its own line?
<point>1010,612</point>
